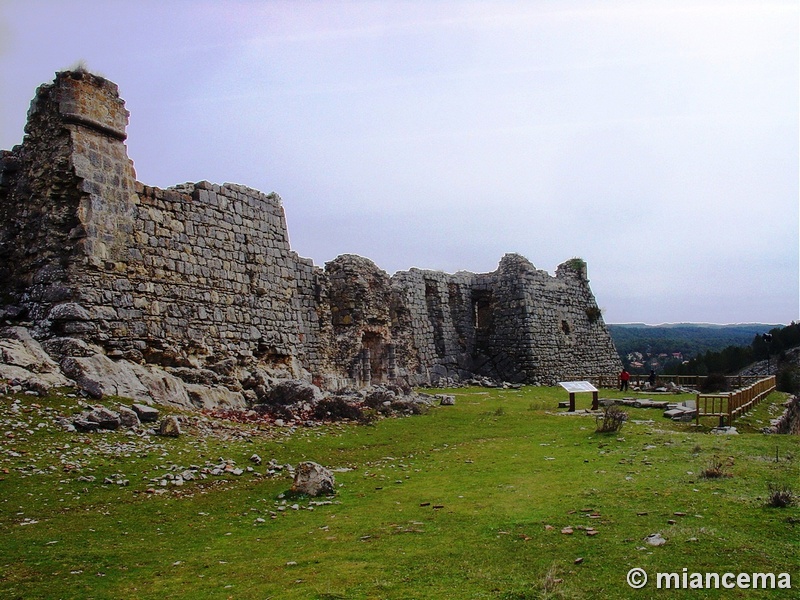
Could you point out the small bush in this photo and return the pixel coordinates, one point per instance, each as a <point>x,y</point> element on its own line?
<point>336,409</point>
<point>715,382</point>
<point>79,66</point>
<point>788,380</point>
<point>410,408</point>
<point>368,416</point>
<point>593,313</point>
<point>577,264</point>
<point>780,496</point>
<point>611,420</point>
<point>714,470</point>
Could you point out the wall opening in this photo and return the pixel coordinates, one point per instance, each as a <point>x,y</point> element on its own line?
<point>375,365</point>
<point>435,315</point>
<point>458,313</point>
<point>482,309</point>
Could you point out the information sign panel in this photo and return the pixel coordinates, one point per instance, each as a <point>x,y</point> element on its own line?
<point>577,386</point>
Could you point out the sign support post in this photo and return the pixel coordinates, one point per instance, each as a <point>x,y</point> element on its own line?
<point>573,387</point>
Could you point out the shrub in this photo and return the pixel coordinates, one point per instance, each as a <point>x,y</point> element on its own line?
<point>79,66</point>
<point>577,264</point>
<point>715,382</point>
<point>611,420</point>
<point>780,496</point>
<point>715,470</point>
<point>593,313</point>
<point>788,380</point>
<point>368,416</point>
<point>336,408</point>
<point>276,412</point>
<point>409,407</point>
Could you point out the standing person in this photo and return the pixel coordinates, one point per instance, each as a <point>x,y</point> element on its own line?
<point>624,377</point>
<point>652,379</point>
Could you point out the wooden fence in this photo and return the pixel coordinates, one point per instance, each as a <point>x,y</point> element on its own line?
<point>733,404</point>
<point>689,381</point>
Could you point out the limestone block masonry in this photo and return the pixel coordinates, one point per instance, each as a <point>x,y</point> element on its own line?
<point>198,274</point>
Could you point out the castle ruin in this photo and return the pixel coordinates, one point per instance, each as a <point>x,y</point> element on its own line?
<point>201,274</point>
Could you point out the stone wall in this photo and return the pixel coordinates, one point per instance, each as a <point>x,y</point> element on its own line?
<point>199,274</point>
<point>789,421</point>
<point>438,335</point>
<point>518,323</point>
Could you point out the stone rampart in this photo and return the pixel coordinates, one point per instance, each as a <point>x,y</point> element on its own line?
<point>202,273</point>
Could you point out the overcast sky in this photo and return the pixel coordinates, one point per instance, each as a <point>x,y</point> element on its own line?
<point>656,139</point>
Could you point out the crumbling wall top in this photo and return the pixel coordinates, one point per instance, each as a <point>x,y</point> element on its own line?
<point>85,99</point>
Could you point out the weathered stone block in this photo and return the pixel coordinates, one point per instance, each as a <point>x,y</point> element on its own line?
<point>313,479</point>
<point>147,414</point>
<point>170,426</point>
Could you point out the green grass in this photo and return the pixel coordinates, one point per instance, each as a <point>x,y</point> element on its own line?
<point>467,501</point>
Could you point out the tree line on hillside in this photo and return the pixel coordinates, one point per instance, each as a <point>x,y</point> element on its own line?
<point>689,340</point>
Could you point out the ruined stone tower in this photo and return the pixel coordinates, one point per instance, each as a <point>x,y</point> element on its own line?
<point>199,274</point>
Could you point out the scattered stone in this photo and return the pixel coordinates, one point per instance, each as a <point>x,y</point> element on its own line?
<point>99,376</point>
<point>218,396</point>
<point>446,399</point>
<point>725,431</point>
<point>18,348</point>
<point>313,479</point>
<point>147,414</point>
<point>85,426</point>
<point>655,539</point>
<point>105,418</point>
<point>128,417</point>
<point>66,424</point>
<point>170,426</point>
<point>24,362</point>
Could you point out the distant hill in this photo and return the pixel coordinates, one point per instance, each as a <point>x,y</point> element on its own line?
<point>756,326</point>
<point>688,339</point>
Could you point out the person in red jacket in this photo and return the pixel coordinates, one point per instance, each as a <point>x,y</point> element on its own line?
<point>624,377</point>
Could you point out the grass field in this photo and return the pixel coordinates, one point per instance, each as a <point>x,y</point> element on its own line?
<point>475,500</point>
